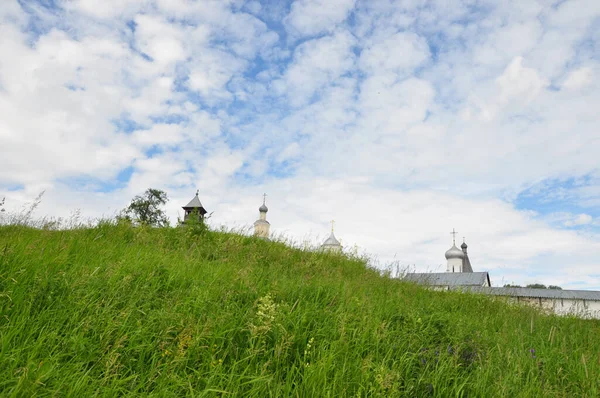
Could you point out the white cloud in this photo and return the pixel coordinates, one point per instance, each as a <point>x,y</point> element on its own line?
<point>389,106</point>
<point>12,12</point>
<point>400,52</point>
<point>580,219</point>
<point>159,39</point>
<point>311,17</point>
<point>212,71</point>
<point>317,64</point>
<point>579,79</point>
<point>519,83</point>
<point>106,9</point>
<point>160,134</point>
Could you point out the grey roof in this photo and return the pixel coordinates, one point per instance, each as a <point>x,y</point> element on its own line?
<point>534,293</point>
<point>331,241</point>
<point>263,208</point>
<point>194,203</point>
<point>467,264</point>
<point>449,278</point>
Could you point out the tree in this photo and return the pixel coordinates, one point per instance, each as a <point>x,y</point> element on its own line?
<point>146,209</point>
<point>536,286</point>
<point>509,285</point>
<point>554,287</point>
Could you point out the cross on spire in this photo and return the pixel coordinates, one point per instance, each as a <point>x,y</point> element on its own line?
<point>332,224</point>
<point>453,233</point>
<point>264,198</point>
<point>197,192</point>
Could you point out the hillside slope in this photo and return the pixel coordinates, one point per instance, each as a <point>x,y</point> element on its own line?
<point>115,310</point>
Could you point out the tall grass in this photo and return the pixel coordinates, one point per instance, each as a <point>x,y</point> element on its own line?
<point>114,310</point>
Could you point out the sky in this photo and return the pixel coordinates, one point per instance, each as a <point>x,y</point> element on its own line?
<point>400,120</point>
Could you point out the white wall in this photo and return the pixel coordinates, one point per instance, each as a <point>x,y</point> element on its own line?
<point>456,263</point>
<point>581,308</point>
<point>261,229</point>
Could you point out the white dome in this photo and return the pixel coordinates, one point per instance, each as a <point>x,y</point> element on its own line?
<point>454,252</point>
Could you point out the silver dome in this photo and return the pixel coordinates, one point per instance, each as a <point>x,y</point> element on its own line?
<point>454,252</point>
<point>331,241</point>
<point>263,208</point>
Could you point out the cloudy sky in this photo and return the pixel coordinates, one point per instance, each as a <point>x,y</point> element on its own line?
<point>399,119</point>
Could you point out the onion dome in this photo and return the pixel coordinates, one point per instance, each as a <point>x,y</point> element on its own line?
<point>454,252</point>
<point>263,208</point>
<point>331,241</point>
<point>463,246</point>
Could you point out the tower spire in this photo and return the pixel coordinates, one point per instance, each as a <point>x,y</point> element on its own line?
<point>262,226</point>
<point>332,225</point>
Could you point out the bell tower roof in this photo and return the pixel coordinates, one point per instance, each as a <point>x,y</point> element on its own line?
<point>195,204</point>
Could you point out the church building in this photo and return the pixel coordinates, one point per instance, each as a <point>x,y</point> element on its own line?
<point>194,208</point>
<point>331,244</point>
<point>459,271</point>
<point>458,259</point>
<point>262,226</point>
<point>459,276</point>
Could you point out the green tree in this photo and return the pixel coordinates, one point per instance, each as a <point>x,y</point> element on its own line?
<point>146,209</point>
<point>536,286</point>
<point>554,287</point>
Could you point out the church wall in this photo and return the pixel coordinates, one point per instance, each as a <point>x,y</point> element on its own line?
<point>585,308</point>
<point>261,230</point>
<point>456,263</point>
<point>577,307</point>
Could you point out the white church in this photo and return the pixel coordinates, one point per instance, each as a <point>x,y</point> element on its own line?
<point>459,274</point>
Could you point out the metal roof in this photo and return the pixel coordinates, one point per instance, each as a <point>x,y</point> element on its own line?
<point>454,252</point>
<point>331,241</point>
<point>533,293</point>
<point>449,278</point>
<point>194,203</point>
<point>467,264</point>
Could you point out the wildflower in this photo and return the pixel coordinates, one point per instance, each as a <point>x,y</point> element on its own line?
<point>307,350</point>
<point>265,314</point>
<point>532,351</point>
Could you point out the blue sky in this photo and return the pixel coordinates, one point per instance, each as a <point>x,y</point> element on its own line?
<point>400,120</point>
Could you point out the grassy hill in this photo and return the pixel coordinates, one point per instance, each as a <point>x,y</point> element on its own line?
<point>115,310</point>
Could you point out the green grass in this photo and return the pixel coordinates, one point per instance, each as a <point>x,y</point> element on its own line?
<point>115,310</point>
